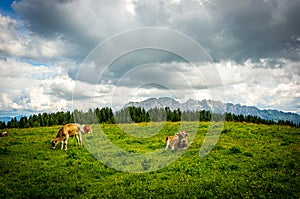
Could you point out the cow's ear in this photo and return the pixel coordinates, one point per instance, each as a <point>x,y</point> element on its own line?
<point>186,134</point>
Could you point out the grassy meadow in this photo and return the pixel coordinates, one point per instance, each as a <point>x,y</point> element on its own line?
<point>248,161</point>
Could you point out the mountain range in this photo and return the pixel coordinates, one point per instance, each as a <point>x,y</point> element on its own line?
<point>215,107</point>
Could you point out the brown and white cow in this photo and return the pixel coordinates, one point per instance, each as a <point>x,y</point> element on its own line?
<point>178,141</point>
<point>70,130</point>
<point>183,144</point>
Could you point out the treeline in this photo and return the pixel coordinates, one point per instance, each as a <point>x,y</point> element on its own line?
<point>132,115</point>
<point>44,119</point>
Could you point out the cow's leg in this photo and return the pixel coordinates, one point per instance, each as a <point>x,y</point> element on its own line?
<point>66,145</point>
<point>66,142</point>
<point>80,139</point>
<point>167,146</point>
<point>172,147</point>
<point>62,144</point>
<point>77,139</point>
<point>183,148</point>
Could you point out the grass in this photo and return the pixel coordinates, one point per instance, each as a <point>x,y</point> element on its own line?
<point>248,161</point>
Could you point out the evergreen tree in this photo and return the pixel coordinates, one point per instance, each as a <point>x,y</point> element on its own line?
<point>23,122</point>
<point>2,125</point>
<point>45,119</point>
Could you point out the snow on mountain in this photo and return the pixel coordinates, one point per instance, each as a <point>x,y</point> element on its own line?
<point>215,107</point>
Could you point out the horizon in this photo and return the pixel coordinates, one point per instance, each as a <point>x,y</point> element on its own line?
<point>9,117</point>
<point>235,52</point>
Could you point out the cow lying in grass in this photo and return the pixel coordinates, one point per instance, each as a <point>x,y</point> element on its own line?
<point>178,141</point>
<point>70,130</point>
<point>3,134</point>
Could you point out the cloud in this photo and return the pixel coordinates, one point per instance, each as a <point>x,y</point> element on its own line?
<point>27,88</point>
<point>251,83</point>
<point>260,28</point>
<point>18,42</point>
<point>237,30</point>
<point>265,87</point>
<point>81,31</point>
<point>255,45</point>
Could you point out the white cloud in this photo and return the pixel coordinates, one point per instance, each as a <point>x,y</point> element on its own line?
<point>248,83</point>
<point>17,41</point>
<point>27,88</point>
<point>265,87</point>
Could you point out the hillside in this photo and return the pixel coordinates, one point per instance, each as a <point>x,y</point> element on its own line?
<point>248,161</point>
<point>216,107</point>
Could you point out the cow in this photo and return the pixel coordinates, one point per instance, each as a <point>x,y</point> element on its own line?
<point>183,144</point>
<point>86,129</point>
<point>178,141</point>
<point>3,134</point>
<point>70,130</point>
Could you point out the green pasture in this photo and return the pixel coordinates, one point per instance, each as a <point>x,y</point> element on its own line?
<point>248,161</point>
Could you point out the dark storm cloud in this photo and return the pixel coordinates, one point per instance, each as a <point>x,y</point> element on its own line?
<point>232,29</point>
<point>82,23</point>
<point>258,28</point>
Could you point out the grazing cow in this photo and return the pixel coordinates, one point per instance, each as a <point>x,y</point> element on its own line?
<point>70,130</point>
<point>3,134</point>
<point>178,141</point>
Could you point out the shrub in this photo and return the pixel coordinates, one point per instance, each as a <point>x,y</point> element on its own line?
<point>4,151</point>
<point>225,131</point>
<point>248,154</point>
<point>235,149</point>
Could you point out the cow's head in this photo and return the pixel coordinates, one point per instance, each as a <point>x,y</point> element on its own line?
<point>87,129</point>
<point>54,143</point>
<point>182,137</point>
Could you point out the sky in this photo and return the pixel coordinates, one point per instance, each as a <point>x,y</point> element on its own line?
<point>62,55</point>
